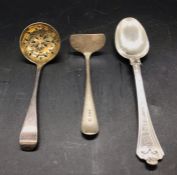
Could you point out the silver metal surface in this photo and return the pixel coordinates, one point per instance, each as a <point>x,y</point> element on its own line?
<point>29,132</point>
<point>88,44</point>
<point>132,43</point>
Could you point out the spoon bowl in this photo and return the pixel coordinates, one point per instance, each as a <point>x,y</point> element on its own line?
<point>131,39</point>
<point>87,43</point>
<point>39,43</point>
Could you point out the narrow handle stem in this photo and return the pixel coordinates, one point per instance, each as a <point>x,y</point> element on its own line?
<point>148,146</point>
<point>29,133</point>
<point>89,124</point>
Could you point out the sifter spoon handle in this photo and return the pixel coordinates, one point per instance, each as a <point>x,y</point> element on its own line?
<point>29,133</point>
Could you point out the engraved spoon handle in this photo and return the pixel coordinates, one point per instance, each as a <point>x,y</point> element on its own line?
<point>89,124</point>
<point>29,132</point>
<point>148,146</point>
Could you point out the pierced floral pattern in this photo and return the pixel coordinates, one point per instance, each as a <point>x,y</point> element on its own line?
<point>40,42</point>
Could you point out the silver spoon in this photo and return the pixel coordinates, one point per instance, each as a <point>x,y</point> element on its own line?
<point>132,43</point>
<point>87,44</point>
<point>39,43</point>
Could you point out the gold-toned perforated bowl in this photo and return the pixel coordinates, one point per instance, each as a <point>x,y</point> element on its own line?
<point>39,43</point>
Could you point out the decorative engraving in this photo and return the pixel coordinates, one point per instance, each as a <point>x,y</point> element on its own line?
<point>150,154</point>
<point>148,146</point>
<point>40,42</point>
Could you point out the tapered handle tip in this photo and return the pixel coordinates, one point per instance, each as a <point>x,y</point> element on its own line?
<point>89,132</point>
<point>28,141</point>
<point>89,128</point>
